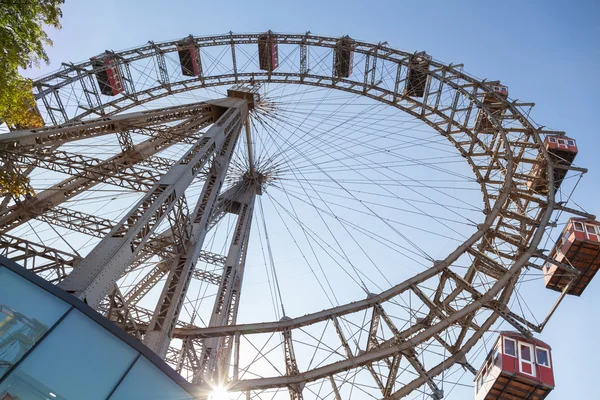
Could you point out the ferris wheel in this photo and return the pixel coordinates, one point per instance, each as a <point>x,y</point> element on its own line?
<point>299,216</point>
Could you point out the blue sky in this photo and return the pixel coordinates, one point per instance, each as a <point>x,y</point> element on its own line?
<point>547,52</point>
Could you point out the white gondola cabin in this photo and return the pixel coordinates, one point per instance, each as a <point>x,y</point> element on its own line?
<point>579,248</point>
<point>416,80</point>
<point>189,57</point>
<point>495,106</point>
<point>562,151</point>
<point>108,74</point>
<point>517,368</point>
<point>268,55</point>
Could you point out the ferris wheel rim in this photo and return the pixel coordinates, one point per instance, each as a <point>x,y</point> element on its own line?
<point>45,89</point>
<point>483,228</point>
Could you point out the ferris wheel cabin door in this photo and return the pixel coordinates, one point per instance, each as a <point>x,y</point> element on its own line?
<point>526,359</point>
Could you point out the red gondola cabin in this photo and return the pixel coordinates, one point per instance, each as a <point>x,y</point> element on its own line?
<point>517,368</point>
<point>109,79</point>
<point>189,57</point>
<point>562,151</point>
<point>268,55</point>
<point>494,105</point>
<point>416,80</point>
<point>343,57</point>
<point>579,247</point>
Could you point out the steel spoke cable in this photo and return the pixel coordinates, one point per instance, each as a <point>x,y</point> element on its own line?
<point>354,197</point>
<point>324,246</point>
<point>322,185</point>
<point>270,251</point>
<point>403,175</point>
<point>298,126</point>
<point>216,63</point>
<point>280,123</point>
<point>321,123</point>
<point>371,147</point>
<point>306,259</point>
<point>287,142</point>
<point>337,242</point>
<point>380,239</point>
<point>367,128</point>
<point>260,355</point>
<point>373,213</point>
<point>334,191</point>
<point>268,274</point>
<point>299,195</point>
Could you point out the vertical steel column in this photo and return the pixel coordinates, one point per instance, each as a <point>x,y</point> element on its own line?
<point>216,352</point>
<point>99,271</point>
<point>291,365</point>
<point>171,300</point>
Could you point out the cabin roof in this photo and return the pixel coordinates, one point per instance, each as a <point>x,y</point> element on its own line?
<point>585,220</point>
<point>516,335</point>
<point>559,137</point>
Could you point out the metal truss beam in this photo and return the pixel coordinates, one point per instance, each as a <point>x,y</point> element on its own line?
<point>77,221</point>
<point>55,108</point>
<point>60,134</point>
<point>291,365</point>
<point>161,65</point>
<point>37,257</point>
<point>125,141</point>
<point>119,312</point>
<point>89,88</point>
<point>216,352</point>
<point>304,67</point>
<point>116,170</point>
<point>411,355</point>
<point>189,233</point>
<point>107,261</point>
<point>84,166</point>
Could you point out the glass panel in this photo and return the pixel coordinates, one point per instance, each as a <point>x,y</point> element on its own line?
<point>509,347</point>
<point>145,381</point>
<point>552,140</point>
<point>590,229</point>
<point>525,353</point>
<point>496,357</point>
<point>542,357</point>
<point>578,226</point>
<point>571,143</point>
<point>78,360</point>
<point>26,313</point>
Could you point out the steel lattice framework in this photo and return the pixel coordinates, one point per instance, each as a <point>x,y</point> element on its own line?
<point>454,312</point>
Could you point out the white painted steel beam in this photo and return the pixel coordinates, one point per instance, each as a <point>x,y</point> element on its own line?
<point>182,268</point>
<point>216,351</point>
<point>106,262</point>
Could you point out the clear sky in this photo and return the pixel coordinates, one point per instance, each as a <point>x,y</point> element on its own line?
<point>547,52</point>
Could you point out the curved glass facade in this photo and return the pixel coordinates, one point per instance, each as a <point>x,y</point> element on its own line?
<point>55,347</point>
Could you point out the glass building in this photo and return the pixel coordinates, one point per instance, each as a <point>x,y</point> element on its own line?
<point>55,347</point>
